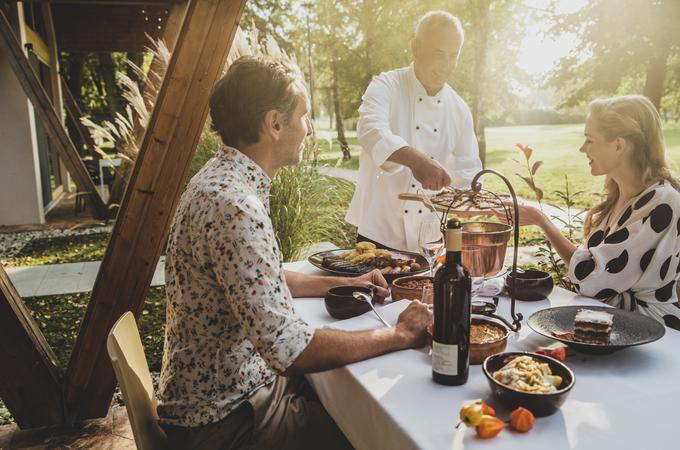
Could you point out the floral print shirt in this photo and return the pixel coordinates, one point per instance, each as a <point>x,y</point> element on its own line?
<point>231,324</point>
<point>632,261</point>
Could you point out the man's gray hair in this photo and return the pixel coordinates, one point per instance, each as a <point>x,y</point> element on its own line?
<point>437,19</point>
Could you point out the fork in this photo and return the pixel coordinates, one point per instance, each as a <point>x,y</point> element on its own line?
<point>361,296</point>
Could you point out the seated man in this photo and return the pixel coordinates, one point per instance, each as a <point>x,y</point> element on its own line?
<point>235,349</point>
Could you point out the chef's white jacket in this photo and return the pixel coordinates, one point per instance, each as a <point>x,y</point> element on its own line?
<point>396,112</point>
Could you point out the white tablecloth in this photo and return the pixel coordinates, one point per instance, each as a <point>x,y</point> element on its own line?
<point>626,400</point>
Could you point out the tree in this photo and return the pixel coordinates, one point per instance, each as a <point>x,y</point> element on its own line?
<point>625,45</point>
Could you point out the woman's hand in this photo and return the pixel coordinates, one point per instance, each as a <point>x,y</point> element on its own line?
<point>528,214</point>
<point>374,277</point>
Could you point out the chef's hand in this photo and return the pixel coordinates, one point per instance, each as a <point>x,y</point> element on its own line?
<point>430,174</point>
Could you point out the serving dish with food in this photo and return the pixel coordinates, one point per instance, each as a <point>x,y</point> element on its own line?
<point>536,382</point>
<point>410,287</point>
<point>596,329</point>
<point>366,257</point>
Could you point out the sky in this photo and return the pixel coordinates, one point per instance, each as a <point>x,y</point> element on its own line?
<point>538,52</point>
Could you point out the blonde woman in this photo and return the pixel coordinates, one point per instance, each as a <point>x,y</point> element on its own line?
<point>631,256</point>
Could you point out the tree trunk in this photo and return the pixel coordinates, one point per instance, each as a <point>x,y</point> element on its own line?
<point>481,23</point>
<point>137,59</point>
<point>339,126</point>
<point>656,73</point>
<point>108,73</point>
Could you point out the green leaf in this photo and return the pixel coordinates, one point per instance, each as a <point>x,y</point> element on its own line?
<point>539,193</point>
<point>535,167</point>
<point>527,180</point>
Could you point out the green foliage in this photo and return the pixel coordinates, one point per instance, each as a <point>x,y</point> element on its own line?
<point>63,249</point>
<point>59,317</point>
<point>207,146</point>
<point>307,207</point>
<point>548,258</point>
<point>624,46</point>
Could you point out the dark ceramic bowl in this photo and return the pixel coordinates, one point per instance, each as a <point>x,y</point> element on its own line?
<point>532,285</point>
<point>539,404</point>
<point>342,305</point>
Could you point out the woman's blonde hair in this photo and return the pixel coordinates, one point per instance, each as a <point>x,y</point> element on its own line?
<point>635,119</point>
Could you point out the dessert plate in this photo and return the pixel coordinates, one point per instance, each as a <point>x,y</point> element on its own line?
<point>629,328</point>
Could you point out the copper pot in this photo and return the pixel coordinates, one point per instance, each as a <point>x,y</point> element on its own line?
<point>491,239</point>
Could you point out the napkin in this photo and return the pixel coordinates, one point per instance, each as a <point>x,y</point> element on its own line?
<point>490,287</point>
<point>369,321</point>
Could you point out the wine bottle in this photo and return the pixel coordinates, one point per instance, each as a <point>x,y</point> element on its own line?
<point>452,305</point>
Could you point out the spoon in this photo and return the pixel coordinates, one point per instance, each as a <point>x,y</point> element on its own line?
<point>361,296</point>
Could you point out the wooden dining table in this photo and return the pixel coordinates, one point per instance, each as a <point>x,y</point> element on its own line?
<point>625,400</point>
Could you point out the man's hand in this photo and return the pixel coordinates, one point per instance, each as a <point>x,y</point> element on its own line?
<point>374,277</point>
<point>412,322</point>
<point>430,174</point>
<point>426,170</point>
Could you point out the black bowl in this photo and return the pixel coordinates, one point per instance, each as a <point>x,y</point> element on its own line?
<point>539,404</point>
<point>342,305</point>
<point>532,285</point>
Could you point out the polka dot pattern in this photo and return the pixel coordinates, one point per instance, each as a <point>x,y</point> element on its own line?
<point>617,264</point>
<point>596,239</point>
<point>661,217</point>
<point>617,237</point>
<point>665,293</point>
<point>642,201</point>
<point>605,294</point>
<point>584,268</point>
<point>646,259</point>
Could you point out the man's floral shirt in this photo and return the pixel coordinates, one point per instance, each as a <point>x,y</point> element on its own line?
<point>231,324</point>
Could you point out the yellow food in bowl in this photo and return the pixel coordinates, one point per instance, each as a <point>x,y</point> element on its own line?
<point>524,373</point>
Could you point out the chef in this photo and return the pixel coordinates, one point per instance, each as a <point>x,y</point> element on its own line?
<point>416,134</point>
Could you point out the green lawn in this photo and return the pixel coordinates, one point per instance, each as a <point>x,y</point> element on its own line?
<point>556,145</point>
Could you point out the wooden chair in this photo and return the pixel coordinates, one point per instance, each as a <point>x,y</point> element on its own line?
<point>132,371</point>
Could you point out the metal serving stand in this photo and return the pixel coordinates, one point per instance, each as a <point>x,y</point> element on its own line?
<point>488,309</point>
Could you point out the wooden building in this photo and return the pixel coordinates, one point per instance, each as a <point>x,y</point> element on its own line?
<point>34,387</point>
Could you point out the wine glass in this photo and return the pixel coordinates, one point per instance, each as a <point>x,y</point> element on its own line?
<point>428,294</point>
<point>430,240</point>
<point>471,257</point>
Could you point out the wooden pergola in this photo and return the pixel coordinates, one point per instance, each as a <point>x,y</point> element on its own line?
<point>199,32</point>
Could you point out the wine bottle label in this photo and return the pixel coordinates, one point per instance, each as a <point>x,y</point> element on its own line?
<point>444,358</point>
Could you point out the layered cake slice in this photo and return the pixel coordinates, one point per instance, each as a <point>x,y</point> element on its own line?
<point>593,327</point>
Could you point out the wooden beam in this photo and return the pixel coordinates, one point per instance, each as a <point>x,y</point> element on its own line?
<point>48,115</point>
<point>74,113</point>
<point>104,28</point>
<point>151,198</point>
<point>30,379</point>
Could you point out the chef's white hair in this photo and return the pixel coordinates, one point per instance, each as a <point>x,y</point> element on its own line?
<point>438,19</point>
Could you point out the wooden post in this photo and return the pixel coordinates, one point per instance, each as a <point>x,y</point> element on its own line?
<point>151,198</point>
<point>30,379</point>
<point>48,115</point>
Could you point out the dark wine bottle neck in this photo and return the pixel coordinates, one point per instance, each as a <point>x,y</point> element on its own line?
<point>453,257</point>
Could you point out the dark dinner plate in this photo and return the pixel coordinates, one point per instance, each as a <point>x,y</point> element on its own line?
<point>628,329</point>
<point>317,261</point>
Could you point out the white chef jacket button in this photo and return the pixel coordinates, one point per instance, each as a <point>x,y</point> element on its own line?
<point>417,127</point>
<point>420,211</point>
<point>406,211</point>
<point>435,130</point>
<point>413,185</point>
<point>420,99</point>
<point>439,101</point>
